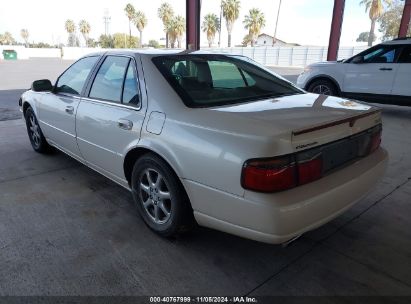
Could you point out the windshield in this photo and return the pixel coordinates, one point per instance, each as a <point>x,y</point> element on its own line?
<point>214,80</point>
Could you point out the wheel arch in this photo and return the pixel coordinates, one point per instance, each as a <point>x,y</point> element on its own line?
<point>137,152</point>
<point>323,77</point>
<point>26,105</point>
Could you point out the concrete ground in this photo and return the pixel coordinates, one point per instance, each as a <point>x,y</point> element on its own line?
<point>66,230</point>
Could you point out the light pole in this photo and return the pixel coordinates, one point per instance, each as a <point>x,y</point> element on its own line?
<point>276,23</point>
<point>221,17</point>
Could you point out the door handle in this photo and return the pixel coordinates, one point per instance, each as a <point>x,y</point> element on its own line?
<point>386,69</point>
<point>69,109</point>
<point>125,124</point>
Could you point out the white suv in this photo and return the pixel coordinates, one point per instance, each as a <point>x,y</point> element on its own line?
<point>380,74</point>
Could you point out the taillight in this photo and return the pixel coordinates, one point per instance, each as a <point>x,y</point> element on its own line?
<point>278,174</point>
<point>310,166</point>
<point>375,140</point>
<point>285,172</point>
<point>269,175</point>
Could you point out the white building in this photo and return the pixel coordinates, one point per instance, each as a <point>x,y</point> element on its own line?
<point>267,40</point>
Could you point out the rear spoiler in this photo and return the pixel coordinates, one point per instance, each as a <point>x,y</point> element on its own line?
<point>351,120</point>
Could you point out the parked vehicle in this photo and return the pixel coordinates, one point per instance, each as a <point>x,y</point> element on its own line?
<point>210,139</point>
<point>380,74</point>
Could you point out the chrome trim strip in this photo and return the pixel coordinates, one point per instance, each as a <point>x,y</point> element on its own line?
<point>100,147</point>
<point>55,128</point>
<point>115,104</point>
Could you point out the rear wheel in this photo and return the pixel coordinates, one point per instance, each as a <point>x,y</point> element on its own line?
<point>323,87</point>
<point>160,197</point>
<point>37,139</point>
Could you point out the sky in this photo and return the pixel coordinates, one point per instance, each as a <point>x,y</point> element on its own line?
<point>306,22</point>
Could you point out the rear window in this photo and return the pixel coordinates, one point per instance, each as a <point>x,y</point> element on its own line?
<point>215,80</point>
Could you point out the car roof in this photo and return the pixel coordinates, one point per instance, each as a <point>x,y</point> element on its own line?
<point>406,40</point>
<point>153,52</point>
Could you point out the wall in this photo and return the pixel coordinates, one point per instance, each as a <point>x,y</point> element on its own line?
<point>73,53</point>
<point>289,56</point>
<point>283,56</point>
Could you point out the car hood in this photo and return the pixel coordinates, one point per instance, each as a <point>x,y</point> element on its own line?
<point>324,63</point>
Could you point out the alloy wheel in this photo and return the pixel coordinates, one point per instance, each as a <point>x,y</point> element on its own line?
<point>155,196</point>
<point>322,89</point>
<point>34,131</point>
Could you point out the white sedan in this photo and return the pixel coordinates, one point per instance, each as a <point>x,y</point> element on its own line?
<point>211,139</point>
<point>380,74</point>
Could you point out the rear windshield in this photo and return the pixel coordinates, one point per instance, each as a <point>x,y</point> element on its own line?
<point>215,80</point>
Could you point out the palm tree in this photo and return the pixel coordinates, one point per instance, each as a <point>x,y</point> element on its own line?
<point>375,9</point>
<point>176,29</point>
<point>71,29</point>
<point>140,21</point>
<point>231,12</point>
<point>211,24</point>
<point>130,12</point>
<point>166,14</point>
<point>25,35</point>
<point>253,22</point>
<point>85,29</point>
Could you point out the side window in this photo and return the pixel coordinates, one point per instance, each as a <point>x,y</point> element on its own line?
<point>73,79</point>
<point>131,93</point>
<point>226,75</point>
<point>382,55</point>
<point>405,55</point>
<point>108,84</point>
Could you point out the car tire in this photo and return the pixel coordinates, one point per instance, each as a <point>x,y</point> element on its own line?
<point>160,197</point>
<point>37,139</point>
<point>323,87</point>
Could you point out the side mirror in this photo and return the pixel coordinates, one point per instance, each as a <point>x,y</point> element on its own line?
<point>43,85</point>
<point>358,59</point>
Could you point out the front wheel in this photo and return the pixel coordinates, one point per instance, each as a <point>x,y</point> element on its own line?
<point>160,197</point>
<point>37,139</point>
<point>323,87</point>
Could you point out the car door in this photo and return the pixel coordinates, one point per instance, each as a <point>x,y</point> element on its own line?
<point>402,83</point>
<point>58,109</point>
<point>372,72</point>
<point>110,118</point>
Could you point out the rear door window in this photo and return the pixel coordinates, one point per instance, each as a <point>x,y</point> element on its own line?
<point>131,91</point>
<point>108,83</point>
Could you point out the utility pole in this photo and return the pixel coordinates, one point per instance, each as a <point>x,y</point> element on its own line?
<point>276,23</point>
<point>107,20</point>
<point>221,20</point>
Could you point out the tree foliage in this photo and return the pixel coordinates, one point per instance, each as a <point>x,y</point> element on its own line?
<point>363,37</point>
<point>166,14</point>
<point>154,44</point>
<point>24,33</point>
<point>254,22</point>
<point>231,12</point>
<point>130,12</point>
<point>390,21</point>
<point>140,21</point>
<point>176,29</point>
<point>211,25</point>
<point>85,29</point>
<point>7,39</point>
<point>375,9</point>
<point>70,27</point>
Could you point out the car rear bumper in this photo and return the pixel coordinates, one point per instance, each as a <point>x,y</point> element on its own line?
<point>279,217</point>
